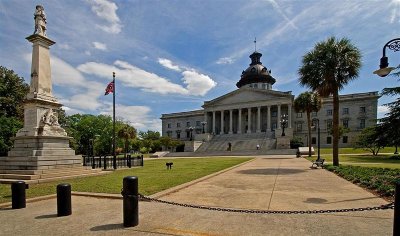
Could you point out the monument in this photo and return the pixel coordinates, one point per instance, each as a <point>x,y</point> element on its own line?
<point>42,144</point>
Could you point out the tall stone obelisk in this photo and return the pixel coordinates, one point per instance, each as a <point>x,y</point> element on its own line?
<point>42,143</point>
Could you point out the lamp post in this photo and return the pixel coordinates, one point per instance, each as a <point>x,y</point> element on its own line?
<point>191,133</point>
<point>319,135</point>
<point>284,122</point>
<point>203,124</point>
<point>384,68</point>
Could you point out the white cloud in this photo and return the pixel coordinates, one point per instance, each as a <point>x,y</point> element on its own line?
<point>168,64</point>
<point>225,60</point>
<point>107,11</point>
<point>132,76</point>
<point>197,84</point>
<point>138,116</point>
<point>64,46</point>
<point>395,14</point>
<point>100,46</point>
<point>382,110</point>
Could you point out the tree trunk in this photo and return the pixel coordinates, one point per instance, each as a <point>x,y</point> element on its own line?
<point>335,127</point>
<point>309,133</point>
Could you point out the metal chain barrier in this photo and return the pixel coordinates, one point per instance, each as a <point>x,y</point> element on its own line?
<point>376,208</point>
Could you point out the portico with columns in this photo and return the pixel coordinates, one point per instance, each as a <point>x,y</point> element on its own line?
<point>260,114</point>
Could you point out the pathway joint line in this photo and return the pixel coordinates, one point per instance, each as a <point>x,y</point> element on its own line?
<point>273,188</point>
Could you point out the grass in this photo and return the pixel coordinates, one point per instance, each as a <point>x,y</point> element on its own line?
<point>366,160</point>
<point>153,177</point>
<point>354,151</point>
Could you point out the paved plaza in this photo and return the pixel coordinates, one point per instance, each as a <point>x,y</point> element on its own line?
<point>266,183</point>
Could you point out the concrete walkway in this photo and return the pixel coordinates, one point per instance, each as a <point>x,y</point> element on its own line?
<point>268,183</point>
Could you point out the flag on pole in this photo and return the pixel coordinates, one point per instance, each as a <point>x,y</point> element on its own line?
<point>110,88</point>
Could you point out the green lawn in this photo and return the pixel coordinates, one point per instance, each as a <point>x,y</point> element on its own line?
<point>367,160</point>
<point>354,151</point>
<point>153,177</point>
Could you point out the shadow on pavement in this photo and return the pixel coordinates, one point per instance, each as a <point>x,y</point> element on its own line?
<point>107,227</point>
<point>46,216</point>
<point>270,171</point>
<point>316,200</point>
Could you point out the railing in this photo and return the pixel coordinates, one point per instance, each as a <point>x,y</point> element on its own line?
<point>106,162</point>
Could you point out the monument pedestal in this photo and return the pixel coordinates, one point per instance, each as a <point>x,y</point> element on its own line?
<point>42,144</point>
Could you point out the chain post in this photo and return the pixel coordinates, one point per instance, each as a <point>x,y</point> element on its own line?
<point>396,221</point>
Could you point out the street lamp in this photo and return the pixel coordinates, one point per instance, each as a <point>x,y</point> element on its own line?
<point>384,70</point>
<point>316,121</point>
<point>191,133</point>
<point>284,122</point>
<point>203,124</point>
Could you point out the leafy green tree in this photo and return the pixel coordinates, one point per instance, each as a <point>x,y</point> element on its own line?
<point>390,124</point>
<point>8,128</point>
<point>308,102</point>
<point>371,139</point>
<point>13,90</point>
<point>127,132</point>
<point>327,69</point>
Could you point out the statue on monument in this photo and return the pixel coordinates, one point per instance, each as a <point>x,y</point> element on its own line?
<point>40,21</point>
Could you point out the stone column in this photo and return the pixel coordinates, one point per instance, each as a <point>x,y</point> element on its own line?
<point>278,123</point>
<point>222,122</point>
<point>239,121</point>
<point>258,119</point>
<point>249,120</point>
<point>290,116</point>
<point>213,122</point>
<point>205,120</point>
<point>230,121</point>
<point>268,118</point>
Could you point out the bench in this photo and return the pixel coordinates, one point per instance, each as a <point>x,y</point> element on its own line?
<point>318,163</point>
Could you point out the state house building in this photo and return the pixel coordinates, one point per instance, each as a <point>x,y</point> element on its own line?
<point>252,115</point>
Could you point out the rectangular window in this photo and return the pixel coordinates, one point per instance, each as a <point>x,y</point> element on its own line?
<point>362,123</point>
<point>345,139</point>
<point>346,123</point>
<point>273,126</point>
<point>178,134</point>
<point>169,125</point>
<point>345,111</point>
<point>299,115</point>
<point>178,125</point>
<point>329,112</point>
<point>274,114</point>
<point>362,109</point>
<point>188,124</point>
<point>314,114</point>
<point>198,123</point>
<point>187,134</point>
<point>255,86</point>
<point>328,140</point>
<point>328,125</point>
<point>263,86</point>
<point>299,127</point>
<point>169,133</point>
<point>313,140</point>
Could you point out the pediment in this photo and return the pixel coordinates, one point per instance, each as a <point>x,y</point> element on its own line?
<point>248,95</point>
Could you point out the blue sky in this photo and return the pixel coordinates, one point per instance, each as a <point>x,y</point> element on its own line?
<point>171,56</point>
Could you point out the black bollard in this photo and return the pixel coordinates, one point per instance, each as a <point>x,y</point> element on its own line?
<point>131,201</point>
<point>64,200</point>
<point>18,195</point>
<point>93,163</point>
<point>142,164</point>
<point>396,221</point>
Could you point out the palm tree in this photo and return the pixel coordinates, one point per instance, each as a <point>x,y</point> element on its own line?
<point>127,132</point>
<point>326,69</point>
<point>308,102</point>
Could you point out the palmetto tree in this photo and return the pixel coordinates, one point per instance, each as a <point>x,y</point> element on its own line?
<point>127,132</point>
<point>327,69</point>
<point>308,102</point>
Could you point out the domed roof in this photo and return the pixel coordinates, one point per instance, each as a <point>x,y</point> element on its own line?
<point>256,72</point>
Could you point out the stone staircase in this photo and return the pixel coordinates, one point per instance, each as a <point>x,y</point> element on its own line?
<point>244,142</point>
<point>41,176</point>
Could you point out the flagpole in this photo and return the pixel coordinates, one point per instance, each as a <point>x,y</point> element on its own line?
<point>114,156</point>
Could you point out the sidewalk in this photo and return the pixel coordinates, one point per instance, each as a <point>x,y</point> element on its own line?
<point>267,183</point>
